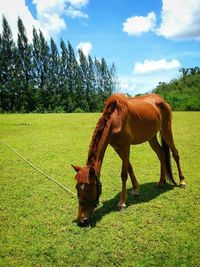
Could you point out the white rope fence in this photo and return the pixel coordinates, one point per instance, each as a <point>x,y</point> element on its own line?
<point>38,170</point>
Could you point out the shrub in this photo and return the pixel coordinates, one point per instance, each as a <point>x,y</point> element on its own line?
<point>78,110</point>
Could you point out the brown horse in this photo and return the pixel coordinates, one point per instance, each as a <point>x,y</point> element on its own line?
<point>126,121</point>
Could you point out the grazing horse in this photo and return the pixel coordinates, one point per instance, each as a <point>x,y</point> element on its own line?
<point>126,121</point>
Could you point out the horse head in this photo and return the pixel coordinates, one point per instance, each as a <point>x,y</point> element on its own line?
<point>88,192</point>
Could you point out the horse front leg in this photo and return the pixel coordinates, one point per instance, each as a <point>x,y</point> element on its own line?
<point>135,185</point>
<point>124,175</point>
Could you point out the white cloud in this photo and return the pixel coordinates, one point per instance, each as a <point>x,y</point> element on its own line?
<point>86,47</point>
<point>147,75</point>
<point>14,9</point>
<point>143,83</point>
<point>134,84</point>
<point>56,6</point>
<point>78,3</point>
<point>180,19</point>
<point>75,13</point>
<point>137,84</point>
<point>126,84</point>
<point>138,25</point>
<point>50,15</point>
<point>155,66</point>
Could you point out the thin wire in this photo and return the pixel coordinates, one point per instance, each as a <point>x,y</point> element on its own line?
<point>34,167</point>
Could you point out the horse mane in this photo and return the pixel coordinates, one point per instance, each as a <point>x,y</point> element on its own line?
<point>116,101</point>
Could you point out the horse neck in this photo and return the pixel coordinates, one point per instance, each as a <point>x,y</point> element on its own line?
<point>98,145</point>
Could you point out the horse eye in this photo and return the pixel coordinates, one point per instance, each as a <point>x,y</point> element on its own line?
<point>78,187</point>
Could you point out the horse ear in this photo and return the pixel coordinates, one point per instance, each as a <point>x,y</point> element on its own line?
<point>76,168</point>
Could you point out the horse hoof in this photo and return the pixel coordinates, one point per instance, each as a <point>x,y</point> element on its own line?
<point>182,185</point>
<point>121,207</point>
<point>135,192</point>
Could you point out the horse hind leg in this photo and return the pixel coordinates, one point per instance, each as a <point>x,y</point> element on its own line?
<point>135,185</point>
<point>167,136</point>
<point>161,156</point>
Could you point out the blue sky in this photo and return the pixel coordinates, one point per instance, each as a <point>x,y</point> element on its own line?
<point>149,41</point>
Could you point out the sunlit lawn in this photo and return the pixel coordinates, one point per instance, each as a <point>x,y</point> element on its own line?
<point>161,227</point>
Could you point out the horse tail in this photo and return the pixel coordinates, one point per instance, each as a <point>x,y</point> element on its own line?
<point>166,150</point>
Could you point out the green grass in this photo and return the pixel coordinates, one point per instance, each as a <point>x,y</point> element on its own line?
<point>161,227</point>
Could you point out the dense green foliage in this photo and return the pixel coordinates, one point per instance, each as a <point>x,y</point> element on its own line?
<point>182,93</point>
<point>160,227</point>
<point>38,77</point>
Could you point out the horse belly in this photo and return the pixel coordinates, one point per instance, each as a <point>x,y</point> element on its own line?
<point>143,126</point>
<point>144,133</point>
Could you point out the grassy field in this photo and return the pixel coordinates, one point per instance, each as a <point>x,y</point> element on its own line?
<point>161,227</point>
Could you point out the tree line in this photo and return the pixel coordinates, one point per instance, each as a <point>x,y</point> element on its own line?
<point>38,76</point>
<point>182,93</point>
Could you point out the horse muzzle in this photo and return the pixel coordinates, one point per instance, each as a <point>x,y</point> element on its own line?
<point>85,222</point>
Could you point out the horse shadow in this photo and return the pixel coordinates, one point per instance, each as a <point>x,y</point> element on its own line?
<point>148,192</point>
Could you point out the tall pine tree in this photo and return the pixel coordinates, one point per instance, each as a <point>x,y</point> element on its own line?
<point>36,76</point>
<point>25,67</point>
<point>63,84</point>
<point>53,77</point>
<point>7,69</point>
<point>44,70</point>
<point>76,85</point>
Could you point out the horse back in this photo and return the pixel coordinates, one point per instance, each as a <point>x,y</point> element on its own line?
<point>140,118</point>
